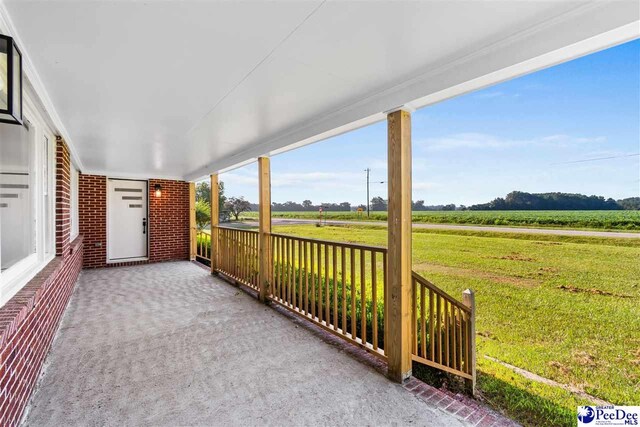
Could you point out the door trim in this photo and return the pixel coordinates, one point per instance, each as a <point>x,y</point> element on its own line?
<point>110,260</point>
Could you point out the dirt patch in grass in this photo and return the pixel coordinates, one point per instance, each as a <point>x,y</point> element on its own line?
<point>593,291</point>
<point>476,274</point>
<point>514,256</point>
<point>585,359</point>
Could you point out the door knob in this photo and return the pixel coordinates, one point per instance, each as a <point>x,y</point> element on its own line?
<point>144,225</point>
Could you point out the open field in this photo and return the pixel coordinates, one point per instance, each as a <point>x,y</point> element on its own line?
<point>599,220</point>
<point>563,308</point>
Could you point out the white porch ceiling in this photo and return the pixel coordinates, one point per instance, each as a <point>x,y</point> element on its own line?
<point>182,89</point>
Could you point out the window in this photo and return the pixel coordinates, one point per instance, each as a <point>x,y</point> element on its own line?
<point>27,198</point>
<point>17,177</point>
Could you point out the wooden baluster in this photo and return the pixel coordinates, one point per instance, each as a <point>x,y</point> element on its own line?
<point>363,297</point>
<point>446,331</point>
<point>374,297</point>
<point>385,298</point>
<point>243,257</point>
<point>290,262</point>
<point>313,280</point>
<point>327,294</point>
<point>343,264</point>
<point>439,328</point>
<point>335,287</point>
<point>354,333</point>
<point>276,293</point>
<point>306,278</point>
<point>423,325</point>
<point>453,331</point>
<point>300,279</point>
<point>414,313</point>
<point>287,281</point>
<point>320,280</point>
<point>432,341</point>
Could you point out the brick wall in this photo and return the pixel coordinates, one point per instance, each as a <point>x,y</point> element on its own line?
<point>92,218</point>
<point>168,221</point>
<point>63,197</point>
<point>29,320</point>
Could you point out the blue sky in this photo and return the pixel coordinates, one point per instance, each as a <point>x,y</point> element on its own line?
<point>530,134</point>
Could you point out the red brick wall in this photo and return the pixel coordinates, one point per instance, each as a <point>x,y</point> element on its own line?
<point>63,197</point>
<point>92,218</point>
<point>29,320</point>
<point>168,221</point>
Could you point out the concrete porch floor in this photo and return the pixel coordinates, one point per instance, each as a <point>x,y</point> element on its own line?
<point>169,344</point>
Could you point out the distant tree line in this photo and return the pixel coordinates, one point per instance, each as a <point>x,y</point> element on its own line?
<point>521,201</point>
<point>516,200</point>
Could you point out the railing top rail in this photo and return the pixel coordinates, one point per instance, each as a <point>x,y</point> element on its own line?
<point>418,278</point>
<point>333,243</point>
<point>235,229</point>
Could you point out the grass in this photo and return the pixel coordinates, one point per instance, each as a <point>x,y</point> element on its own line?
<point>561,307</point>
<point>598,220</point>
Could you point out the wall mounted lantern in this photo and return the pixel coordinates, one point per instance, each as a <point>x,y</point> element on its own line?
<point>10,81</point>
<point>158,189</point>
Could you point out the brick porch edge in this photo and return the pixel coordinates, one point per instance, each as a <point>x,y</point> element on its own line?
<point>458,405</point>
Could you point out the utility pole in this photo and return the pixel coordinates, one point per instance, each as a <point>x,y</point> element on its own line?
<point>367,170</point>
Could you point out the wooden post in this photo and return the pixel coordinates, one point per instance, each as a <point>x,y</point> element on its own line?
<point>398,347</point>
<point>192,221</point>
<point>469,299</point>
<point>215,221</point>
<point>264,219</point>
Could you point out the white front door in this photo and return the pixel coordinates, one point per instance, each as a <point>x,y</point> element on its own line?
<point>128,225</point>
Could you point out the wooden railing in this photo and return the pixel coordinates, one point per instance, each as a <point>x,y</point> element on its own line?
<point>443,329</point>
<point>341,287</point>
<point>203,245</point>
<point>237,256</point>
<point>338,286</point>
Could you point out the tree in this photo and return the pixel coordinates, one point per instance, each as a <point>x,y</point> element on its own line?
<point>307,204</point>
<point>345,206</point>
<point>203,214</point>
<point>203,192</point>
<point>630,203</point>
<point>237,205</point>
<point>378,204</point>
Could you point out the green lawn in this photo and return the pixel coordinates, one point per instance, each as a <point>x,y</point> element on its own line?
<point>598,220</point>
<point>563,308</point>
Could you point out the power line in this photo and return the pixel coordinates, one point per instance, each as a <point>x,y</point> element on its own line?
<point>597,158</point>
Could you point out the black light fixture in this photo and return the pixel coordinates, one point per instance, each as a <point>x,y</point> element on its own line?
<point>158,189</point>
<point>10,81</point>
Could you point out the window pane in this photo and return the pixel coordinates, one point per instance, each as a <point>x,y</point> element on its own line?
<point>17,214</point>
<point>17,84</point>
<point>4,90</point>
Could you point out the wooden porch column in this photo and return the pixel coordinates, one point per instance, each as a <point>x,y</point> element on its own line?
<point>264,218</point>
<point>192,221</point>
<point>215,221</point>
<point>398,347</point>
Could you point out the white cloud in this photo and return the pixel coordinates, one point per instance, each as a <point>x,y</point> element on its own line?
<point>483,141</point>
<point>424,185</point>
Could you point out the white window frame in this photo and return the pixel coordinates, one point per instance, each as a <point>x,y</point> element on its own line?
<point>18,275</point>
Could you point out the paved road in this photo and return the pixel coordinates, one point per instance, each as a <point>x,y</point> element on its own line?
<point>549,231</point>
